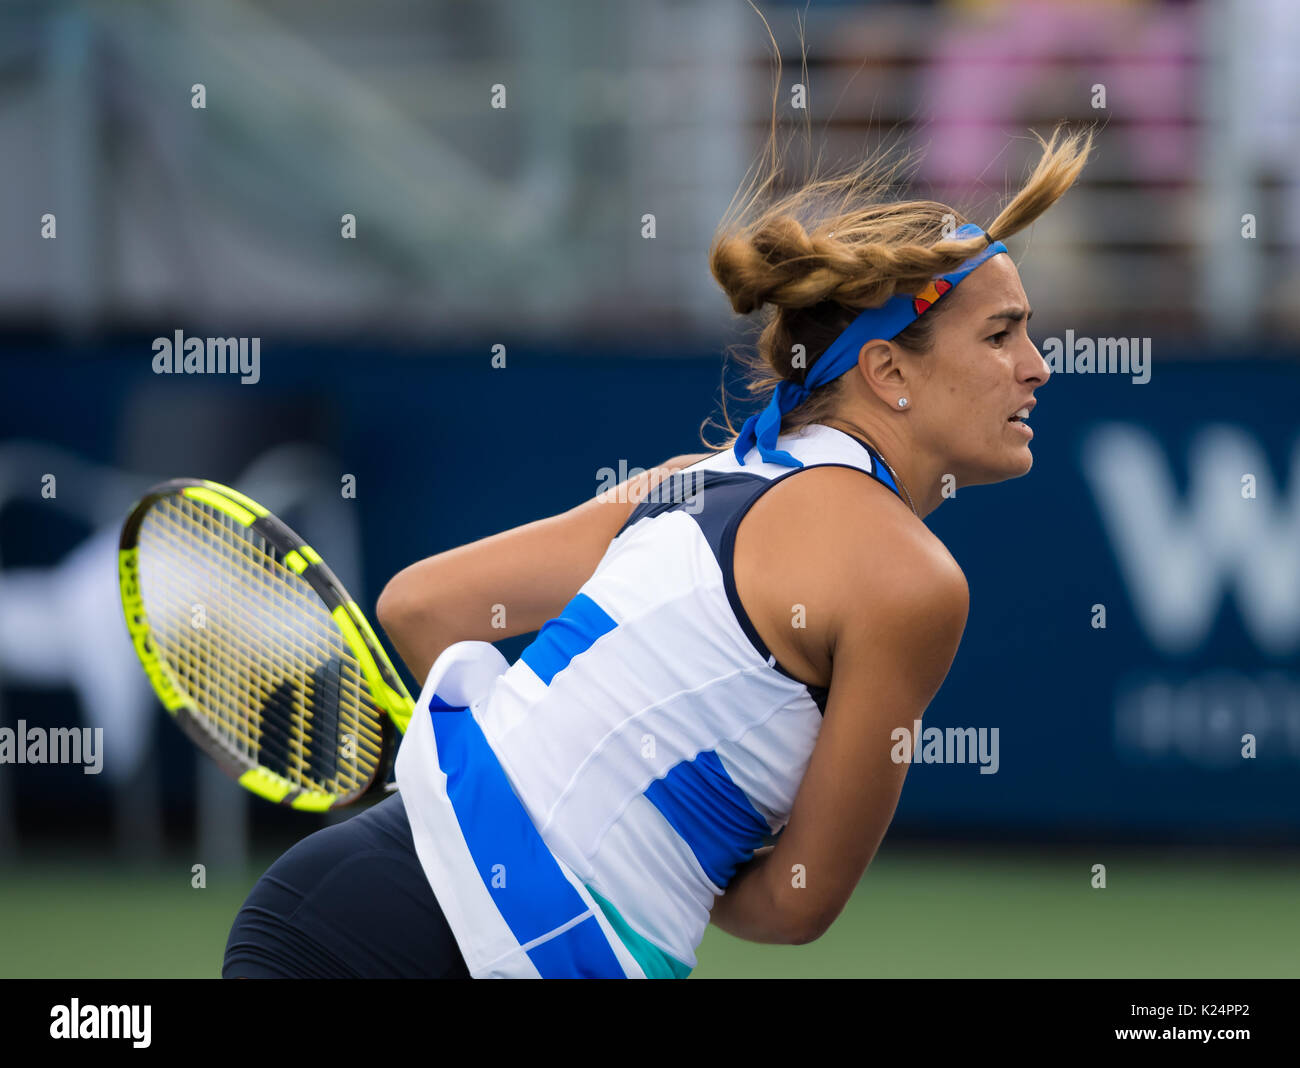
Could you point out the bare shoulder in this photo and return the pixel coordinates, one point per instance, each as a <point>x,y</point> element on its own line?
<point>846,512</point>
<point>843,525</point>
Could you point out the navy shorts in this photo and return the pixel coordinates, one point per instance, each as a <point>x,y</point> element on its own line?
<point>348,902</point>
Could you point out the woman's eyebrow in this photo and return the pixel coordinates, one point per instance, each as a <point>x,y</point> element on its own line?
<point>1014,314</point>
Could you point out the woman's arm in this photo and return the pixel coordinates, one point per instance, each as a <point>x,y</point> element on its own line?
<point>510,583</point>
<point>895,608</point>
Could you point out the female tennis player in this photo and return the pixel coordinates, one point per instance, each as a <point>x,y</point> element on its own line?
<point>701,730</point>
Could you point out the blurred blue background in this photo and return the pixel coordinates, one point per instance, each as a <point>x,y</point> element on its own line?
<point>1174,505</point>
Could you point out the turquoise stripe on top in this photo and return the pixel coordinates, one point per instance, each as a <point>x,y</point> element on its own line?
<point>654,961</point>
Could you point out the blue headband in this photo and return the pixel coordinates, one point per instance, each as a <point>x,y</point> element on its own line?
<point>885,322</point>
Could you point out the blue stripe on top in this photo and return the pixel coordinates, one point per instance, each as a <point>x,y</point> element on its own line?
<point>712,815</point>
<point>525,881</point>
<point>573,631</point>
<point>582,952</point>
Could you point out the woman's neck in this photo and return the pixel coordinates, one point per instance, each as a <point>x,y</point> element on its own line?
<point>925,490</point>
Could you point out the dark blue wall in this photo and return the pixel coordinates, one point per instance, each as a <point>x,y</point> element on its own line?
<point>447,448</point>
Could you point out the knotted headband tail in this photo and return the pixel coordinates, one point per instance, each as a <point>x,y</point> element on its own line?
<point>762,428</point>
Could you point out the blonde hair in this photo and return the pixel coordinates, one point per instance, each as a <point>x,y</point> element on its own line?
<point>811,259</point>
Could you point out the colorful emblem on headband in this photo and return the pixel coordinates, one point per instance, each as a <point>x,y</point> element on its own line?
<point>924,299</point>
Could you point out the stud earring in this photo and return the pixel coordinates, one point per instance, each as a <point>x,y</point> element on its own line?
<point>902,402</point>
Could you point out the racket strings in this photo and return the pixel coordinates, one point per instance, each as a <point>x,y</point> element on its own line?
<point>223,645</point>
<point>307,606</point>
<point>251,642</point>
<point>286,698</point>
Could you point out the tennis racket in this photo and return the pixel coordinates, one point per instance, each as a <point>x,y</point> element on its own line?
<point>256,649</point>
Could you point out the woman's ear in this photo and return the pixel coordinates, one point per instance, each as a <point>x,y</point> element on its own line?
<point>882,370</point>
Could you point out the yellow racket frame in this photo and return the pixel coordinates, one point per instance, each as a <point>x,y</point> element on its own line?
<point>382,680</point>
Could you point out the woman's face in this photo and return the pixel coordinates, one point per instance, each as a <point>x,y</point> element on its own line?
<point>981,370</point>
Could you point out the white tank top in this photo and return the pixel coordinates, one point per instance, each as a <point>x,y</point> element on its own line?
<point>577,812</point>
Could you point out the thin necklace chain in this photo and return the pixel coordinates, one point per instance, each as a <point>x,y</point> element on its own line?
<point>901,484</point>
